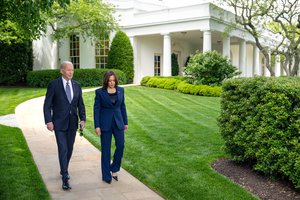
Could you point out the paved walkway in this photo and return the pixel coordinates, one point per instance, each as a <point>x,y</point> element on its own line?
<point>84,166</point>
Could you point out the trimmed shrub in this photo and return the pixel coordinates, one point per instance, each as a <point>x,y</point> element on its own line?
<point>209,68</point>
<point>260,124</point>
<point>85,77</point>
<point>174,64</point>
<point>120,55</point>
<point>179,84</point>
<point>16,61</point>
<point>201,90</point>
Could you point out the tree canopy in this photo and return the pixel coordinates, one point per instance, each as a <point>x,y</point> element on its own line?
<point>21,20</point>
<point>91,18</point>
<point>275,26</point>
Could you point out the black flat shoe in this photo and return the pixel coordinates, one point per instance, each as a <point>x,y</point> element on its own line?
<point>115,177</point>
<point>108,182</point>
<point>66,185</point>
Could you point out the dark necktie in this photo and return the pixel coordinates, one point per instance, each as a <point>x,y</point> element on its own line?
<point>68,92</point>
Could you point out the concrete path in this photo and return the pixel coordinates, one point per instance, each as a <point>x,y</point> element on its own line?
<point>84,167</point>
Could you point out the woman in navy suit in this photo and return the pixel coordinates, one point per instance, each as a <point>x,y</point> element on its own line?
<point>110,118</point>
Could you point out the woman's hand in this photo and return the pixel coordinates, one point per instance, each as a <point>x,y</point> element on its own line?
<point>126,128</point>
<point>98,131</point>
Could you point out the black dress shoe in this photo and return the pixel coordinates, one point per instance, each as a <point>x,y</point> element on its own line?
<point>108,182</point>
<point>66,185</point>
<point>115,177</point>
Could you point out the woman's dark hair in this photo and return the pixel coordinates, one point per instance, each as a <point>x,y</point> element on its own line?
<point>106,78</point>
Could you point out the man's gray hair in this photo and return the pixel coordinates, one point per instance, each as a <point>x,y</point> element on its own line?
<point>63,64</point>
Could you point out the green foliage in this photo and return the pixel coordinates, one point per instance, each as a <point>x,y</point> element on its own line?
<point>85,77</point>
<point>260,124</point>
<point>120,55</point>
<point>209,68</point>
<point>175,66</point>
<point>22,20</point>
<point>179,84</point>
<point>91,18</point>
<point>145,80</point>
<point>16,61</point>
<point>202,90</point>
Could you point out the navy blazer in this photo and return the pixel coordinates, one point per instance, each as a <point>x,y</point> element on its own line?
<point>57,108</point>
<point>105,111</point>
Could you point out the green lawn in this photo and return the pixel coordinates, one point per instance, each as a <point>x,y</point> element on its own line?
<point>11,97</point>
<point>19,177</point>
<point>172,140</point>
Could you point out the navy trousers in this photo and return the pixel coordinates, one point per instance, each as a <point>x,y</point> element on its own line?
<point>106,137</point>
<point>65,142</point>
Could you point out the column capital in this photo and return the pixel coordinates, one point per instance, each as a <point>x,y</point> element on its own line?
<point>165,33</point>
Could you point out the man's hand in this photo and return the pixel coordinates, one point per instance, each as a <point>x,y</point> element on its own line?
<point>98,131</point>
<point>82,123</point>
<point>126,128</point>
<point>50,126</point>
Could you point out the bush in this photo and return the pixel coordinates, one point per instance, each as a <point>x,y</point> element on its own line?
<point>85,77</point>
<point>16,61</point>
<point>178,83</point>
<point>209,68</point>
<point>260,124</point>
<point>120,55</point>
<point>174,64</point>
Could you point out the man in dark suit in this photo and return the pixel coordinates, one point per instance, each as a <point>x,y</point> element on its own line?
<point>62,107</point>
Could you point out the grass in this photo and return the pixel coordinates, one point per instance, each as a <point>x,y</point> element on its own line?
<point>19,176</point>
<point>11,97</point>
<point>172,140</point>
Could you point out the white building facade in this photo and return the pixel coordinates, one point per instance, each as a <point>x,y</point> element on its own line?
<point>156,30</point>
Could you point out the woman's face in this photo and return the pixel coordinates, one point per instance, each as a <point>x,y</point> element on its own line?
<point>112,81</point>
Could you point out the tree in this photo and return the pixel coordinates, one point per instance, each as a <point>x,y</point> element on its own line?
<point>175,68</point>
<point>21,20</point>
<point>120,55</point>
<point>209,68</point>
<point>278,20</point>
<point>91,18</point>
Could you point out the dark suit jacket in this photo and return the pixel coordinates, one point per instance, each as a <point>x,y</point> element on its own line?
<point>57,108</point>
<point>105,111</point>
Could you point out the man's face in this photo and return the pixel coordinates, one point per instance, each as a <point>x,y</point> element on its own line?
<point>67,72</point>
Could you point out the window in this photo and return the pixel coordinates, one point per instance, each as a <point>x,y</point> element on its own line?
<point>101,53</point>
<point>157,63</point>
<point>74,51</point>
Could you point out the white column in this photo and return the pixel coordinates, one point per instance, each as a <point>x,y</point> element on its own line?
<point>256,66</point>
<point>137,74</point>
<point>206,41</point>
<point>242,58</point>
<point>166,71</point>
<point>277,66</point>
<point>226,47</point>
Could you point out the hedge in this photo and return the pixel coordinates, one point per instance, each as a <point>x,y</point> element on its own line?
<point>16,61</point>
<point>260,123</point>
<point>179,84</point>
<point>85,77</point>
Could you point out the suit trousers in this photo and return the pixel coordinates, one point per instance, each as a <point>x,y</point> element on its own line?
<point>106,137</point>
<point>65,142</point>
